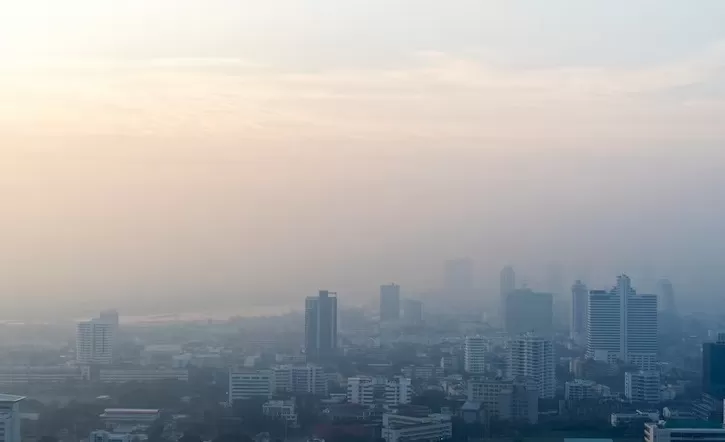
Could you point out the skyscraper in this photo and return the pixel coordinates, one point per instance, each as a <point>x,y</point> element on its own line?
<point>412,311</point>
<point>622,326</point>
<point>533,357</point>
<point>713,367</point>
<point>459,276</point>
<point>94,341</point>
<point>321,326</point>
<point>507,285</point>
<point>474,352</point>
<point>389,302</point>
<point>528,311</point>
<point>667,297</point>
<point>579,304</point>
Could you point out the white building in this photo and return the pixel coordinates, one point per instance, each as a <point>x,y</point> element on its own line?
<point>582,389</point>
<point>642,386</point>
<point>10,417</point>
<point>622,326</point>
<point>302,379</point>
<point>474,353</point>
<point>121,375</point>
<point>399,428</point>
<point>398,392</point>
<point>360,390</point>
<point>282,410</point>
<point>249,384</point>
<point>94,341</point>
<point>684,431</point>
<point>126,420</point>
<point>532,357</point>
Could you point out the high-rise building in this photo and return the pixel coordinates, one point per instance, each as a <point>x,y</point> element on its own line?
<point>667,297</point>
<point>528,311</point>
<point>532,356</point>
<point>321,326</point>
<point>507,285</point>
<point>622,326</point>
<point>579,304</point>
<point>389,302</point>
<point>94,341</point>
<point>474,352</point>
<point>642,386</point>
<point>10,418</point>
<point>250,384</point>
<point>412,311</point>
<point>713,367</point>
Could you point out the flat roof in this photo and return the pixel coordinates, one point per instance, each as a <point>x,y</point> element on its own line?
<point>691,423</point>
<point>10,398</point>
<point>587,439</point>
<point>130,410</point>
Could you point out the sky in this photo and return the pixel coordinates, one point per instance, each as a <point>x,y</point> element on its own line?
<point>183,154</point>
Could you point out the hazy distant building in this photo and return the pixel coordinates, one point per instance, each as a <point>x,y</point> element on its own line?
<point>532,357</point>
<point>506,399</point>
<point>579,304</point>
<point>713,367</point>
<point>507,285</point>
<point>528,311</point>
<point>399,391</point>
<point>458,278</point>
<point>321,326</point>
<point>667,297</point>
<point>250,384</point>
<point>94,341</point>
<point>474,352</point>
<point>412,311</point>
<point>622,326</point>
<point>389,302</point>
<point>361,390</point>
<point>308,379</point>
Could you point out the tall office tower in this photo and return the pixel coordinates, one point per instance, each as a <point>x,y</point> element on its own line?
<point>458,278</point>
<point>10,418</point>
<point>528,311</point>
<point>713,367</point>
<point>94,342</point>
<point>321,326</point>
<point>579,303</point>
<point>622,326</point>
<point>474,353</point>
<point>667,297</point>
<point>412,311</point>
<point>533,356</point>
<point>507,285</point>
<point>389,302</point>
<point>110,316</point>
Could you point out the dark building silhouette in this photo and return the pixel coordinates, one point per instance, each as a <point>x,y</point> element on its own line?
<point>528,311</point>
<point>389,302</point>
<point>321,326</point>
<point>713,367</point>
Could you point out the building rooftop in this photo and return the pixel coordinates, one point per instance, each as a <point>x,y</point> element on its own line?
<point>690,423</point>
<point>140,411</point>
<point>587,439</point>
<point>10,398</point>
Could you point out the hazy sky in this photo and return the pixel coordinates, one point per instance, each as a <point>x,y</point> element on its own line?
<point>177,154</point>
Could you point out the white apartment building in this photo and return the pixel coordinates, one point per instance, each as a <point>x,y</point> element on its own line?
<point>684,431</point>
<point>622,326</point>
<point>94,341</point>
<point>532,357</point>
<point>121,375</point>
<point>10,417</point>
<point>474,352</point>
<point>582,389</point>
<point>399,428</point>
<point>283,410</point>
<point>11,375</point>
<point>360,390</point>
<point>249,384</point>
<point>642,386</point>
<point>302,379</point>
<point>398,392</point>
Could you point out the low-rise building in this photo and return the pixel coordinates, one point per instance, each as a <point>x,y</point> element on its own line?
<point>107,436</point>
<point>283,410</point>
<point>126,420</point>
<point>121,375</point>
<point>300,379</point>
<point>643,416</point>
<point>249,384</point>
<point>398,392</point>
<point>12,375</point>
<point>506,399</point>
<point>10,417</point>
<point>361,391</point>
<point>582,389</point>
<point>399,428</point>
<point>676,430</point>
<point>642,386</point>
